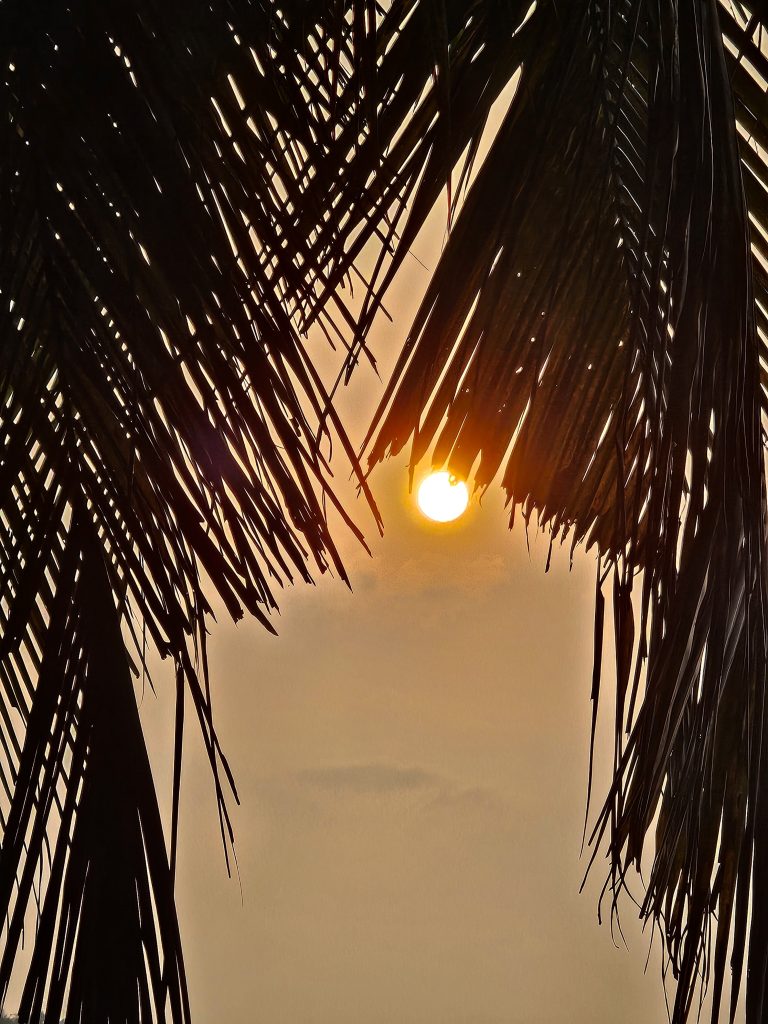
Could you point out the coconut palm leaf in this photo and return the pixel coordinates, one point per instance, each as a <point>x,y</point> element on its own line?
<point>182,186</point>
<point>595,330</point>
<point>163,435</point>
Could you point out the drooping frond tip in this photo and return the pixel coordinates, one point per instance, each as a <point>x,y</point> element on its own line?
<point>596,331</point>
<point>161,425</point>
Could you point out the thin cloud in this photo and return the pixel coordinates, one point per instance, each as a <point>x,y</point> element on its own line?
<point>381,779</point>
<point>378,778</point>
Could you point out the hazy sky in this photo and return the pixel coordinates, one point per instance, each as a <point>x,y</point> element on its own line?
<point>411,761</point>
<point>412,764</point>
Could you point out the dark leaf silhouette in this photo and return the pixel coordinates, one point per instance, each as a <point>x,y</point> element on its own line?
<point>163,430</point>
<point>185,188</point>
<point>595,330</point>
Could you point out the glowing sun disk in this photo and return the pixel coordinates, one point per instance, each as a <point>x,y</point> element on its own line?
<point>443,497</point>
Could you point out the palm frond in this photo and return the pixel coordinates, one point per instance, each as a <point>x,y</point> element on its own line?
<point>185,185</point>
<point>162,429</point>
<point>107,942</point>
<point>596,331</point>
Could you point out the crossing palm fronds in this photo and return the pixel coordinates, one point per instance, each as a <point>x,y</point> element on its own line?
<point>185,188</point>
<point>163,436</point>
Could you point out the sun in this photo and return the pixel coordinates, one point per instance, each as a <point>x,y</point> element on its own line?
<point>443,497</point>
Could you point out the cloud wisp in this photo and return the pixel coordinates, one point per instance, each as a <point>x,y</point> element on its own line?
<point>375,778</point>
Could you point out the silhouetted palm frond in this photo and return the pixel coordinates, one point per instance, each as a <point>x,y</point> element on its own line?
<point>596,330</point>
<point>161,424</point>
<point>184,184</point>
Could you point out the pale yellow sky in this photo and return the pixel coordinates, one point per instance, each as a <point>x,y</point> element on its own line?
<point>411,760</point>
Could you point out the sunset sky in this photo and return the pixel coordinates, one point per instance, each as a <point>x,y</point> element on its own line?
<point>411,760</point>
<point>273,275</point>
<point>412,764</point>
